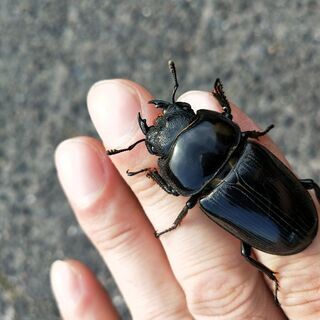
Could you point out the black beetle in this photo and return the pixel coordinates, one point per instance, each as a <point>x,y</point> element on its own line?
<point>239,184</point>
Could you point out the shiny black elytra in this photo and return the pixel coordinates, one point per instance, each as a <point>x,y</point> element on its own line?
<point>238,183</point>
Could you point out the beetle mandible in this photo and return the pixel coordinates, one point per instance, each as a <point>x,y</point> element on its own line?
<point>238,183</point>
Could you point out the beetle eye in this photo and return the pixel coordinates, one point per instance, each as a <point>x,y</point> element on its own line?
<point>184,106</point>
<point>151,148</point>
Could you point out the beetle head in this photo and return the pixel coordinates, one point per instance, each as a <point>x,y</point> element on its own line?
<point>175,117</point>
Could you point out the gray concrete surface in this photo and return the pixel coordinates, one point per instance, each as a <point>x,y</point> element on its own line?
<point>266,52</point>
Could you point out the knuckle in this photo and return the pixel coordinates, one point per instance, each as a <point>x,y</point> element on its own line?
<point>178,313</point>
<point>114,237</point>
<point>301,290</point>
<point>148,192</point>
<point>111,234</point>
<point>221,296</point>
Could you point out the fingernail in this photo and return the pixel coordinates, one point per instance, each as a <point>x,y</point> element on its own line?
<point>81,170</point>
<point>67,285</point>
<point>113,107</point>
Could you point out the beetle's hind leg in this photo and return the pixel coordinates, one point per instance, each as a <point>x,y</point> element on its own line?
<point>309,184</point>
<point>246,250</point>
<point>189,205</point>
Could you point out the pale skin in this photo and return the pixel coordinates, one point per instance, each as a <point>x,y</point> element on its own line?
<point>193,272</point>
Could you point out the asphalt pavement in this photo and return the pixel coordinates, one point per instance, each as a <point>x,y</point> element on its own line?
<point>51,52</point>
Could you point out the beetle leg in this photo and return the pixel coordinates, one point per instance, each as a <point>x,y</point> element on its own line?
<point>155,176</point>
<point>218,93</point>
<point>246,252</point>
<point>115,151</point>
<point>133,173</point>
<point>189,205</point>
<point>310,184</point>
<point>256,134</point>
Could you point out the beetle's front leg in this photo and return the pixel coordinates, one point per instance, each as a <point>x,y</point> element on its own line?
<point>115,151</point>
<point>219,94</point>
<point>189,205</point>
<point>246,253</point>
<point>256,134</point>
<point>155,176</point>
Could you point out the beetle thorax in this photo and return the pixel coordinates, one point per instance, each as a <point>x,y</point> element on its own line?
<point>201,152</point>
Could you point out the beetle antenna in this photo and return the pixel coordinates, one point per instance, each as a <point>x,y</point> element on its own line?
<point>172,68</point>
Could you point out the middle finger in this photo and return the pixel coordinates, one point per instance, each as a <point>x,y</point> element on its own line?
<point>205,259</point>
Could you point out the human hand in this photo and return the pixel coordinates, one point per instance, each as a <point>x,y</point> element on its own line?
<point>197,270</point>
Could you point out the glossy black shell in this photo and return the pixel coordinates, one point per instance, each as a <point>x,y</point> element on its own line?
<point>242,186</point>
<point>199,152</point>
<point>261,202</point>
